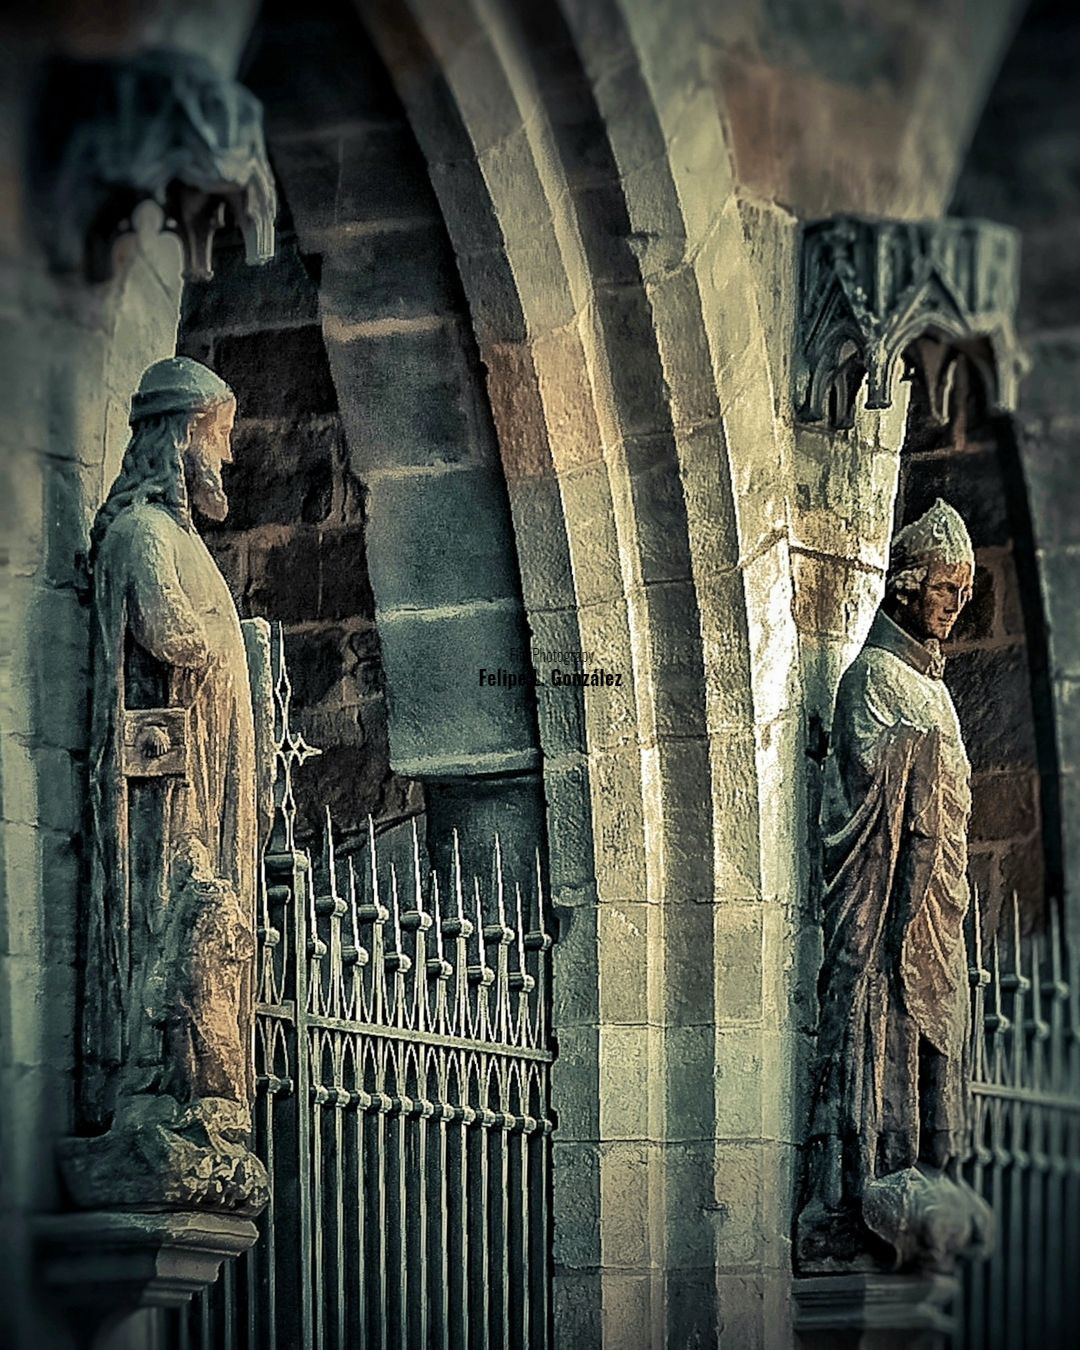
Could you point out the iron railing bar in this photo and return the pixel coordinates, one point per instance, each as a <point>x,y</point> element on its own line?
<point>428,1038</point>
<point>303,1113</point>
<point>518,1143</point>
<point>1049,1100</point>
<point>458,1225</point>
<point>540,1336</point>
<point>360,1269</point>
<point>227,1292</point>
<point>339,1219</point>
<point>269,1237</point>
<point>398,1261</point>
<point>499,1230</point>
<point>438,1254</point>
<point>316,1180</point>
<point>416,1232</point>
<point>376,1161</point>
<point>479,1292</point>
<point>206,1326</point>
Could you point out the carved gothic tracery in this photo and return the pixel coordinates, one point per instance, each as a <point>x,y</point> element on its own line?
<point>164,127</point>
<point>872,292</point>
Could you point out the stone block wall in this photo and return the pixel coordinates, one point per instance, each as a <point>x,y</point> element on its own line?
<point>988,669</point>
<point>410,387</point>
<point>293,545</point>
<point>1024,169</point>
<point>417,453</point>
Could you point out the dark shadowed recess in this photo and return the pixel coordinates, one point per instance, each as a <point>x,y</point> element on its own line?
<point>998,669</point>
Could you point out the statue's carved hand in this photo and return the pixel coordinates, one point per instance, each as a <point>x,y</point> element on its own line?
<point>156,743</point>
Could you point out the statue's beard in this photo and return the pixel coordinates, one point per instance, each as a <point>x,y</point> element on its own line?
<point>206,491</point>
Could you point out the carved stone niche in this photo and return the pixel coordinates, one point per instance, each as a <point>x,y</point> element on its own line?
<point>873,293</point>
<point>163,127</point>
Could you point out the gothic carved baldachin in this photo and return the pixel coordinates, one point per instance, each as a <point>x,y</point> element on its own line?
<point>872,292</point>
<point>162,127</point>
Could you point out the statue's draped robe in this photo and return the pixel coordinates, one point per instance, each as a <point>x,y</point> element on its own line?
<point>893,989</point>
<point>165,633</point>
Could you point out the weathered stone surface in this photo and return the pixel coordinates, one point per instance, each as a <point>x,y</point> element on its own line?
<point>107,1263</point>
<point>283,291</point>
<point>624,1202</point>
<point>1050,388</point>
<point>576,1206</point>
<point>978,618</point>
<point>308,168</point>
<point>284,575</point>
<point>344,588</point>
<point>575,965</point>
<point>368,191</point>
<point>566,788</point>
<point>738,950</point>
<point>1022,874</point>
<point>636,373</point>
<point>1004,805</point>
<point>432,665</point>
<point>317,668</point>
<point>992,692</point>
<point>161,1153</point>
<point>316,72</point>
<point>984,876</point>
<point>578,1303</point>
<point>576,1081</point>
<point>396,273</point>
<point>406,399</point>
<point>459,546</point>
<point>975,479</point>
<point>253,362</point>
<point>282,473</point>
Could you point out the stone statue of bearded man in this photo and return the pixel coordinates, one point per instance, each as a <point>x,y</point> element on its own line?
<point>175,779</point>
<point>891,1096</point>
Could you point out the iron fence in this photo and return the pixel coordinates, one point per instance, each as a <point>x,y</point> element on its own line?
<point>1025,1159</point>
<point>402,1056</point>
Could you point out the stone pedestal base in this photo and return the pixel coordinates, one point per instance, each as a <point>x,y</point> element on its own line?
<point>105,1265</point>
<point>875,1311</point>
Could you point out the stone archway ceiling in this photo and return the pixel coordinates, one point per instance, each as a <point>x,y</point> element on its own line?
<point>162,127</point>
<point>872,290</point>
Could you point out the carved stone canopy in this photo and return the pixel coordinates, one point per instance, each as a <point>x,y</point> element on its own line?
<point>162,127</point>
<point>874,292</point>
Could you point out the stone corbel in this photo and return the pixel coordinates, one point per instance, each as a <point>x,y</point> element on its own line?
<point>873,293</point>
<point>875,1312</point>
<point>102,1267</point>
<point>162,127</point>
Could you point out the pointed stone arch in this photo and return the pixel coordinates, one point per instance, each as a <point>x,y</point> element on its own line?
<point>616,314</point>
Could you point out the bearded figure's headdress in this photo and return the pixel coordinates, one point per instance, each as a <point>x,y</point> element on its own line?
<point>169,392</point>
<point>940,536</point>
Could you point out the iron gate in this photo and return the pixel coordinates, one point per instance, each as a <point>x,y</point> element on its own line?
<point>1026,1156</point>
<point>402,1059</point>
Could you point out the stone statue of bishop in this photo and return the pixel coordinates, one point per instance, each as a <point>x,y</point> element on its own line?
<point>891,1097</point>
